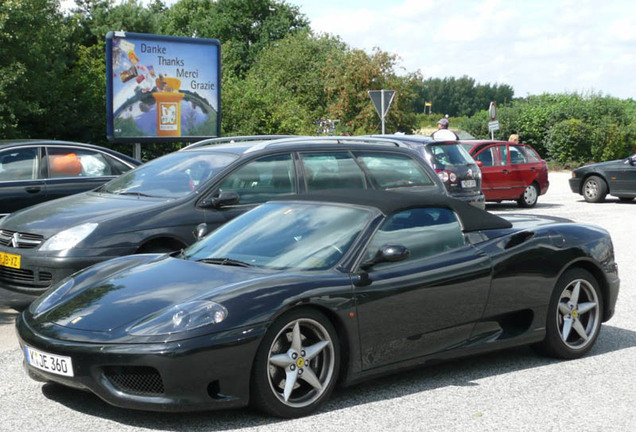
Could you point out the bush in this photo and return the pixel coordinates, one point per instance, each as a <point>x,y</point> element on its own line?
<point>571,140</point>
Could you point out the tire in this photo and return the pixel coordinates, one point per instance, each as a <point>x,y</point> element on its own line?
<point>529,197</point>
<point>626,199</point>
<point>574,318</point>
<point>594,189</point>
<point>301,346</point>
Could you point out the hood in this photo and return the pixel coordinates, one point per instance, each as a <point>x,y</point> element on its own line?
<point>112,296</point>
<point>54,216</point>
<point>619,162</point>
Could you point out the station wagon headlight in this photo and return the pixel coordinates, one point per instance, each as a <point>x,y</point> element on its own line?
<point>69,238</point>
<point>181,318</point>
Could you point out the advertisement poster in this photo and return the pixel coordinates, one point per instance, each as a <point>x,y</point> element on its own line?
<point>162,88</point>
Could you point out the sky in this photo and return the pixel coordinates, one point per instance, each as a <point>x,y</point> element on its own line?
<point>535,46</point>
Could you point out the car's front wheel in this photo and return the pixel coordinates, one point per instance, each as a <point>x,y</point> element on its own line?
<point>574,316</point>
<point>529,196</point>
<point>594,189</point>
<point>296,366</point>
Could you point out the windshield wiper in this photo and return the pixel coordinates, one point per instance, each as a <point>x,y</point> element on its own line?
<point>225,261</point>
<point>139,194</point>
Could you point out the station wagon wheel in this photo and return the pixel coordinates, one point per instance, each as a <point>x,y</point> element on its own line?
<point>574,316</point>
<point>529,196</point>
<point>594,189</point>
<point>296,366</point>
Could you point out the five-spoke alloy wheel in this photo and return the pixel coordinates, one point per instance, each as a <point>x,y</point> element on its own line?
<point>296,365</point>
<point>574,316</point>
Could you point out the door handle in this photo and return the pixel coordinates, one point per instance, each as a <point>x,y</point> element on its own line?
<point>33,189</point>
<point>533,169</point>
<point>505,171</point>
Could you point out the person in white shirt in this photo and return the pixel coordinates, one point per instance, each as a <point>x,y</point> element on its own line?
<point>443,133</point>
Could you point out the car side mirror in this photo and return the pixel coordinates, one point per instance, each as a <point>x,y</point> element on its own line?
<point>631,160</point>
<point>387,253</point>
<point>224,198</point>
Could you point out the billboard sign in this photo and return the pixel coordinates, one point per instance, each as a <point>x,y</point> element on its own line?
<point>162,88</point>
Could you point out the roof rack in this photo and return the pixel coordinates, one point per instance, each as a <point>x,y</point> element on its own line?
<point>236,139</point>
<point>334,139</point>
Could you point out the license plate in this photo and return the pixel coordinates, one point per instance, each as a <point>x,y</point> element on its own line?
<point>9,260</point>
<point>56,364</point>
<point>469,183</point>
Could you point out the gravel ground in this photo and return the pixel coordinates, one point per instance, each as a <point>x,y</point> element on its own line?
<point>509,390</point>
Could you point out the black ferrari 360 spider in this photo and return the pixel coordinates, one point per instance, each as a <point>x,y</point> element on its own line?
<point>280,304</point>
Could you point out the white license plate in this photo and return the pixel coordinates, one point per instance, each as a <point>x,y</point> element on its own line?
<point>469,183</point>
<point>56,364</point>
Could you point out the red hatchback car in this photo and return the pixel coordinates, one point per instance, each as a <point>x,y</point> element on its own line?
<point>510,171</point>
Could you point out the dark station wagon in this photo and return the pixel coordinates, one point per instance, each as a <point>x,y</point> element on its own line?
<point>161,205</point>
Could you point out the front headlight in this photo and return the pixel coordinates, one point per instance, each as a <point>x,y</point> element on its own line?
<point>51,297</point>
<point>67,239</point>
<point>180,318</point>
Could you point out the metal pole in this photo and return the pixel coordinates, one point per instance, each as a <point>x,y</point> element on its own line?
<point>137,151</point>
<point>382,104</point>
<point>492,135</point>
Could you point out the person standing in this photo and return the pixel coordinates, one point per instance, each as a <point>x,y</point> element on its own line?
<point>443,133</point>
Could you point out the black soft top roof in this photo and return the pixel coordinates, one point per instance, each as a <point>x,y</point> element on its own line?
<point>388,202</point>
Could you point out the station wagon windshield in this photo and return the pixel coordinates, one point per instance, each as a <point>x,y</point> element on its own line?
<point>171,176</point>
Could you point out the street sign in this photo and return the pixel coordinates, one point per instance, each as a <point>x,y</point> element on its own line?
<point>492,110</point>
<point>382,101</point>
<point>493,126</point>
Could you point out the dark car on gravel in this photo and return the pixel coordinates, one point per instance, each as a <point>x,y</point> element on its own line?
<point>282,303</point>
<point>596,181</point>
<point>159,206</point>
<point>453,165</point>
<point>34,171</point>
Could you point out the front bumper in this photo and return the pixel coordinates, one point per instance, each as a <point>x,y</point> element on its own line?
<point>202,373</point>
<point>575,185</point>
<point>39,272</point>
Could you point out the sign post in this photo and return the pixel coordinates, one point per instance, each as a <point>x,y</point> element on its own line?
<point>493,125</point>
<point>382,101</point>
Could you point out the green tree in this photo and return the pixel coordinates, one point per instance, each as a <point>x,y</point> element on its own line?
<point>33,61</point>
<point>245,28</point>
<point>283,93</point>
<point>347,85</point>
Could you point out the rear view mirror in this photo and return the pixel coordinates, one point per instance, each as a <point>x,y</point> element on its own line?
<point>387,253</point>
<point>224,198</point>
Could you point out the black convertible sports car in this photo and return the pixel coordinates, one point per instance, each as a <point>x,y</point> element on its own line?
<point>596,181</point>
<point>278,305</point>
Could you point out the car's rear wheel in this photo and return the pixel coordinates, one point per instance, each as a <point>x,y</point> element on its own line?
<point>594,189</point>
<point>574,316</point>
<point>529,196</point>
<point>296,366</point>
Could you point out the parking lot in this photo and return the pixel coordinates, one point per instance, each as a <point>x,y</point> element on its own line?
<point>509,390</point>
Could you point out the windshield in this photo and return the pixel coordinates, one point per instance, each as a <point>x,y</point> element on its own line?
<point>279,235</point>
<point>451,154</point>
<point>171,176</point>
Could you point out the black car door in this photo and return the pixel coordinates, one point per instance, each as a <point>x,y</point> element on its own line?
<point>621,176</point>
<point>426,303</point>
<point>20,182</point>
